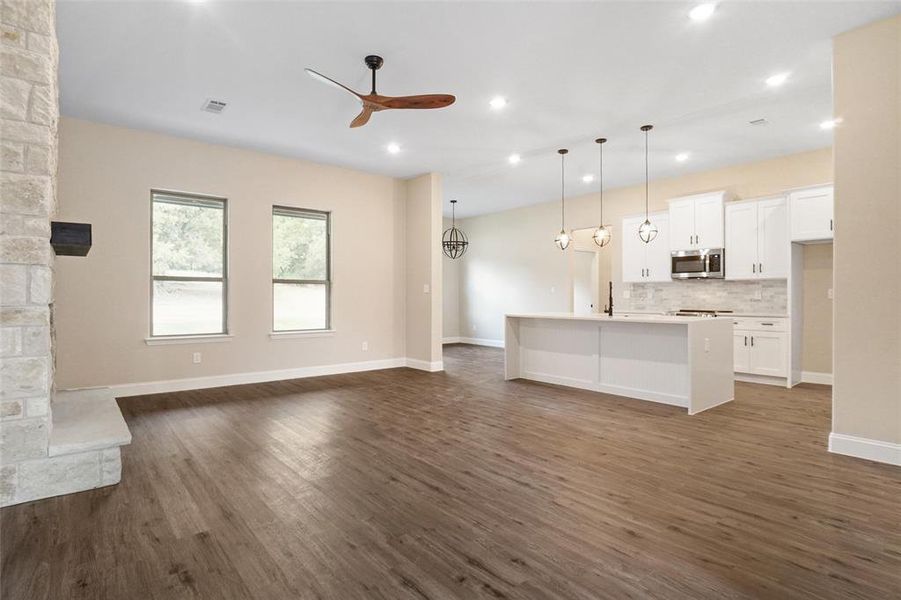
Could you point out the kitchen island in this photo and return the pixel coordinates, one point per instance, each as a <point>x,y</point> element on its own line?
<point>683,361</point>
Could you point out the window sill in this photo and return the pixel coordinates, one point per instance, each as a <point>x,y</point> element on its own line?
<point>187,339</point>
<point>284,335</point>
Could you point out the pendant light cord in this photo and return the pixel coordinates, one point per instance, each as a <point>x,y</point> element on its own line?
<point>562,192</point>
<point>646,175</point>
<point>601,176</point>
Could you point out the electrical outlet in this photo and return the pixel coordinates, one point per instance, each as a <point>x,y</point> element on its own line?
<point>829,293</point>
<point>553,289</point>
<point>364,346</point>
<point>627,294</point>
<point>707,345</point>
<point>196,358</point>
<point>425,288</point>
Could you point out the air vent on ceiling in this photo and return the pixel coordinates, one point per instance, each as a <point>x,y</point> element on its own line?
<point>214,106</point>
<point>759,122</point>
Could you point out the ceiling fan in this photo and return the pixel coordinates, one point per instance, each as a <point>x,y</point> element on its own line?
<point>374,102</point>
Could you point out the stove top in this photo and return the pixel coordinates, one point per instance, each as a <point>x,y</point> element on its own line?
<point>700,312</point>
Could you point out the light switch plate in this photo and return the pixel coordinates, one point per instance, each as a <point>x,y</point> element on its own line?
<point>196,358</point>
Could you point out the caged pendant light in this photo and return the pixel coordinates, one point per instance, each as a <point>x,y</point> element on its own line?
<point>563,239</point>
<point>453,241</point>
<point>647,231</point>
<point>601,235</point>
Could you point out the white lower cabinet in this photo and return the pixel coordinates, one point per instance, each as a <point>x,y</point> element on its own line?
<point>760,347</point>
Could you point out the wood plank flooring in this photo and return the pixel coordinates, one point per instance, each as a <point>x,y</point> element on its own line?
<point>402,484</point>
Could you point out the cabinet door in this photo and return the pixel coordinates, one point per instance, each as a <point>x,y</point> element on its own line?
<point>741,241</point>
<point>709,221</point>
<point>811,214</point>
<point>633,251</point>
<point>768,354</point>
<point>741,351</point>
<point>773,249</point>
<point>658,262</point>
<point>682,224</point>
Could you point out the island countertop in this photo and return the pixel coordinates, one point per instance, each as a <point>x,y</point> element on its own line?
<point>602,318</point>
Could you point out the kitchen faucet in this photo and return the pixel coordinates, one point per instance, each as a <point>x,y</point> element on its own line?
<point>608,310</point>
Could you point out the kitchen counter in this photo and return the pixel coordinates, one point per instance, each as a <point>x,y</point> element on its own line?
<point>683,361</point>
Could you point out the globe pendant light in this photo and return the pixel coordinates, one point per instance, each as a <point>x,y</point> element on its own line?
<point>647,231</point>
<point>601,235</point>
<point>453,241</point>
<point>563,239</point>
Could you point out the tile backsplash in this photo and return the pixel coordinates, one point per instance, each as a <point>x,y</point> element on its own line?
<point>768,297</point>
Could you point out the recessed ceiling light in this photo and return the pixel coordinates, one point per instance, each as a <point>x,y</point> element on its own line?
<point>702,12</point>
<point>777,79</point>
<point>498,102</point>
<point>392,148</point>
<point>830,124</point>
<point>587,178</point>
<point>514,159</point>
<point>682,156</point>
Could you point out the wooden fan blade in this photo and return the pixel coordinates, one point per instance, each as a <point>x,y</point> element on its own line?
<point>331,82</point>
<point>423,101</point>
<point>362,118</point>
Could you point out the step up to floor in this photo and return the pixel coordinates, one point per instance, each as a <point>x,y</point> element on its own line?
<point>85,420</point>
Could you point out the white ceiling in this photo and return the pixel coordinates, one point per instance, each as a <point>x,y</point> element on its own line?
<point>571,72</point>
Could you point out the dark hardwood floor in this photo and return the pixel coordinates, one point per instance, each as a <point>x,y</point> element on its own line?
<point>403,484</point>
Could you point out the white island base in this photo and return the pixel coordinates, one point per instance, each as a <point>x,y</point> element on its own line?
<point>683,361</point>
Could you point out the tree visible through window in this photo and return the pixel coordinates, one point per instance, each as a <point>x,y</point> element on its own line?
<point>188,265</point>
<point>300,269</point>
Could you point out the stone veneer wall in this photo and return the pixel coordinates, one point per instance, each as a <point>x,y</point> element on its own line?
<point>768,297</point>
<point>29,111</point>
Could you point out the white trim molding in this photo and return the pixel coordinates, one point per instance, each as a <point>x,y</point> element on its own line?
<point>199,383</point>
<point>312,333</point>
<point>451,340</point>
<point>424,365</point>
<point>482,342</point>
<point>815,377</point>
<point>877,450</point>
<point>165,340</point>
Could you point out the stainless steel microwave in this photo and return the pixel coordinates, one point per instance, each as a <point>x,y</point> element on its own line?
<point>699,264</point>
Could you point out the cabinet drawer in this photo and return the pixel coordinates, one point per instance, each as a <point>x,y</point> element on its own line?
<point>760,324</point>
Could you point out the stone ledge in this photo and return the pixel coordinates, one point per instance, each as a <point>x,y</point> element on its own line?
<point>85,420</point>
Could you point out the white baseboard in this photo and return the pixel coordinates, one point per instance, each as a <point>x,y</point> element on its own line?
<point>451,340</point>
<point>762,379</point>
<point>424,365</point>
<point>482,342</point>
<point>199,383</point>
<point>815,377</point>
<point>885,452</point>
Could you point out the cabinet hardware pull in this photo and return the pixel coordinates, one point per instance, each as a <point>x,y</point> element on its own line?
<point>768,324</point>
<point>830,224</point>
<point>746,340</point>
<point>760,267</point>
<point>753,268</point>
<point>752,340</point>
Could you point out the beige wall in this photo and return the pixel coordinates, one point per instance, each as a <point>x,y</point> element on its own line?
<point>513,265</point>
<point>450,277</point>
<point>867,378</point>
<point>816,352</point>
<point>102,301</point>
<point>423,268</point>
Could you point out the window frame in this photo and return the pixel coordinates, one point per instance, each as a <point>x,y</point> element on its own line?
<point>298,212</point>
<point>192,198</point>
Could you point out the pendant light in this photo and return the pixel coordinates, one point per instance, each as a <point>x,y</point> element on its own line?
<point>602,234</point>
<point>454,242</point>
<point>563,239</point>
<point>647,231</point>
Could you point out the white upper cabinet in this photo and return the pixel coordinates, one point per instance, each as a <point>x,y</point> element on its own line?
<point>645,263</point>
<point>757,244</point>
<point>697,221</point>
<point>811,214</point>
<point>773,245</point>
<point>741,240</point>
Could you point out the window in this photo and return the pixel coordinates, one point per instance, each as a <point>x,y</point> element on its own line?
<point>300,269</point>
<point>189,269</point>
